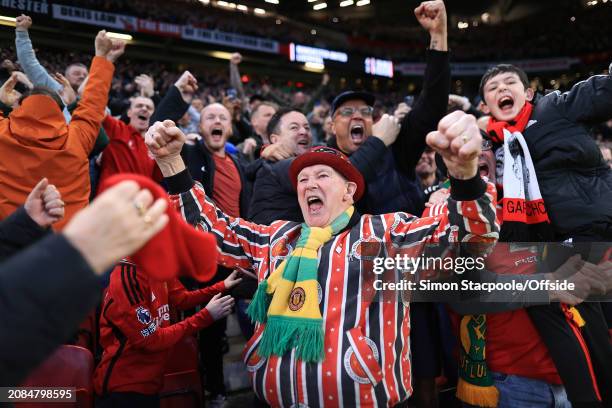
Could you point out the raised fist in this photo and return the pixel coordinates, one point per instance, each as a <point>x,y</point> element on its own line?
<point>236,58</point>
<point>164,140</point>
<point>23,23</point>
<point>107,47</point>
<point>458,141</point>
<point>432,16</point>
<point>187,84</point>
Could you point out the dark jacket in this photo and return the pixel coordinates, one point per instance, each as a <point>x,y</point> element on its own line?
<point>274,197</point>
<point>46,290</point>
<point>201,165</point>
<point>574,179</point>
<point>391,181</point>
<point>17,231</point>
<point>172,106</point>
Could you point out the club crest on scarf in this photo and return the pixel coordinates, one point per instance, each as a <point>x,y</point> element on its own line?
<point>287,302</point>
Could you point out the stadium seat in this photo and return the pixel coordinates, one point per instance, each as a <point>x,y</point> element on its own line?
<point>68,366</point>
<point>182,381</point>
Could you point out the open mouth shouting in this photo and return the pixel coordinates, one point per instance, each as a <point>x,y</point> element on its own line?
<point>357,132</point>
<point>315,203</point>
<point>506,104</point>
<point>217,133</point>
<point>483,169</point>
<point>304,143</point>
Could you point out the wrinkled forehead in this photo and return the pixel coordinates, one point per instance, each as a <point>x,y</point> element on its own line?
<point>140,100</point>
<point>319,168</point>
<point>215,109</point>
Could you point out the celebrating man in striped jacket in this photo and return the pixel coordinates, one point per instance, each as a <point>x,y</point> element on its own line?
<point>321,340</point>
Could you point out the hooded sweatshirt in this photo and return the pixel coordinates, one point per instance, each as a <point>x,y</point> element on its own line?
<point>36,142</point>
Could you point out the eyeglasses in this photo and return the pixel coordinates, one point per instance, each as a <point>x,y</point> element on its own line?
<point>348,111</point>
<point>486,145</point>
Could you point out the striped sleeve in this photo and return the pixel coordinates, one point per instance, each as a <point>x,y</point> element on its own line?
<point>468,216</point>
<point>240,242</point>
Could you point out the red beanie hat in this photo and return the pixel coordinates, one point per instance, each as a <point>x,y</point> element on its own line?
<point>178,247</point>
<point>334,159</point>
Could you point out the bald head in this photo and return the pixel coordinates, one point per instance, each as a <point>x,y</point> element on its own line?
<point>215,127</point>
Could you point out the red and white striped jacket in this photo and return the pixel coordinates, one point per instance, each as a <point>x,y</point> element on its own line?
<point>367,344</point>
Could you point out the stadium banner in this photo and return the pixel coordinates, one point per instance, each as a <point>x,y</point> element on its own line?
<point>229,39</point>
<point>94,17</point>
<point>479,68</point>
<point>27,6</point>
<point>159,28</point>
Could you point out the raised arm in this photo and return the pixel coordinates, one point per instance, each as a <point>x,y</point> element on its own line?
<point>240,243</point>
<point>91,110</point>
<point>177,100</point>
<point>234,76</point>
<point>431,104</point>
<point>471,207</point>
<point>27,58</point>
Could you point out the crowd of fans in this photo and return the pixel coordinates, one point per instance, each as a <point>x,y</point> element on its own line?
<point>551,32</point>
<point>74,127</point>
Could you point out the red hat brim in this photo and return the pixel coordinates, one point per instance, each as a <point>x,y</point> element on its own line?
<point>342,166</point>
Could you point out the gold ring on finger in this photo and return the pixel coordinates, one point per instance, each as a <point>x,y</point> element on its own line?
<point>465,138</point>
<point>140,208</point>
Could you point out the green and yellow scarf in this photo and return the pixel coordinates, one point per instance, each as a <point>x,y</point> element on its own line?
<point>288,301</point>
<point>475,385</point>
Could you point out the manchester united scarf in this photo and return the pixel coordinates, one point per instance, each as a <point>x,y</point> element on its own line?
<point>288,301</point>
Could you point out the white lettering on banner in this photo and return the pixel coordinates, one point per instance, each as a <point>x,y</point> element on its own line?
<point>229,39</point>
<point>27,5</point>
<point>131,23</point>
<point>304,53</point>
<point>93,17</point>
<point>479,68</point>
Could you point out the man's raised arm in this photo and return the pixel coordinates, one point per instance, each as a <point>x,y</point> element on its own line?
<point>27,58</point>
<point>431,104</point>
<point>240,243</point>
<point>471,207</point>
<point>91,109</point>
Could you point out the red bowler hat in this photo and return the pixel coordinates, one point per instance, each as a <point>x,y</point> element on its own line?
<point>332,158</point>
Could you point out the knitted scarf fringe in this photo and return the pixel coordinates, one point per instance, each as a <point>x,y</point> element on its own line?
<point>477,395</point>
<point>281,335</point>
<point>258,309</point>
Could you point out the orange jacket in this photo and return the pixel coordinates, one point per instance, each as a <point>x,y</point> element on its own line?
<point>36,142</point>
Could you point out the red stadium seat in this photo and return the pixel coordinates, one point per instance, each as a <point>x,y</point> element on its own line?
<point>182,381</point>
<point>68,366</point>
